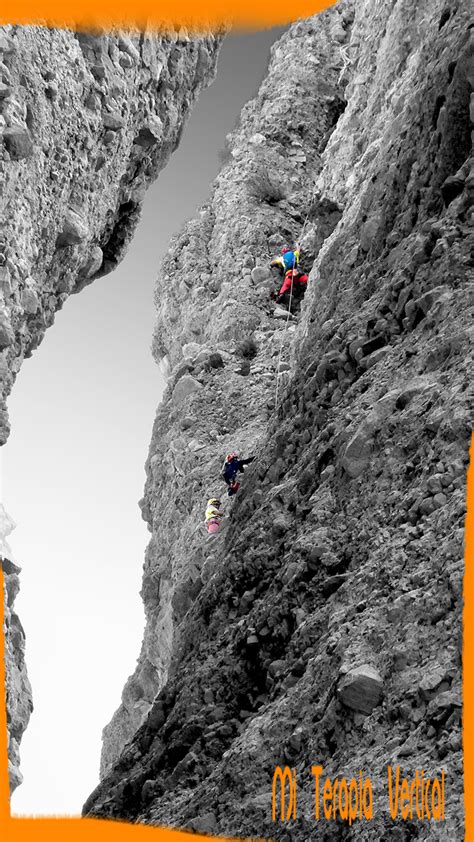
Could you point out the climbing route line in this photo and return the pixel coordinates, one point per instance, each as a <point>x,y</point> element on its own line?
<point>288,317</point>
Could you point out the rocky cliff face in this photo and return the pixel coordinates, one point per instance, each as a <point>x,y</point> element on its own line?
<point>86,124</point>
<point>18,690</point>
<point>324,623</point>
<point>218,336</point>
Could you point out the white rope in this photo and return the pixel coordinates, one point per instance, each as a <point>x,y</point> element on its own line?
<point>284,334</point>
<point>288,316</point>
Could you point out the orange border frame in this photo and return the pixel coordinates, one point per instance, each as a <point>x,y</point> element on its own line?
<point>468,672</point>
<point>247,14</point>
<point>141,14</point>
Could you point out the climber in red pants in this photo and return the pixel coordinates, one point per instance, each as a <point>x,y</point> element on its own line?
<point>293,286</point>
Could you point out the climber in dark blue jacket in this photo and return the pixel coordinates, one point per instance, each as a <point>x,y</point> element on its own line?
<point>232,466</point>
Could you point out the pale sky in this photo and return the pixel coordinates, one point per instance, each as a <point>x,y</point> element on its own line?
<point>73,469</point>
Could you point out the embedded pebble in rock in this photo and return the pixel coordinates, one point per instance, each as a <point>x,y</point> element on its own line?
<point>339,549</point>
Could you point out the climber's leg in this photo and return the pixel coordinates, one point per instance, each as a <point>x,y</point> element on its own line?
<point>284,300</point>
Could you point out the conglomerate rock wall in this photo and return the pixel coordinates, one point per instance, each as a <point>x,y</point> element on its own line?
<point>218,337</point>
<point>86,124</point>
<point>323,624</point>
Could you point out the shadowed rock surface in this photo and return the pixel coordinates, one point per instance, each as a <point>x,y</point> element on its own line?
<point>86,124</point>
<point>324,622</point>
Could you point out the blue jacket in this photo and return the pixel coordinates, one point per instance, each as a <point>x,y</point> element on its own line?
<point>287,261</point>
<point>231,469</point>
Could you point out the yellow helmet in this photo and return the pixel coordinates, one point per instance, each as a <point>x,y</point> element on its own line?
<point>213,502</point>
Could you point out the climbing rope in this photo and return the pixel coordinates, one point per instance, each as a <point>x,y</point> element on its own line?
<point>288,316</point>
<point>284,335</point>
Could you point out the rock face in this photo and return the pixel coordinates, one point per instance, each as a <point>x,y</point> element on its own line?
<point>86,124</point>
<point>342,554</point>
<point>214,302</point>
<point>18,690</point>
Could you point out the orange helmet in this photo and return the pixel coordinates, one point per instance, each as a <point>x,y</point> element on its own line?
<point>231,456</point>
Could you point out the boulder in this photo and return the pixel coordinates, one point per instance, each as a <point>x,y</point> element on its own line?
<point>357,453</point>
<point>182,369</point>
<point>29,301</point>
<point>148,790</point>
<point>191,350</point>
<point>18,142</point>
<point>443,706</point>
<point>260,274</point>
<point>361,689</point>
<point>216,361</point>
<point>6,44</point>
<point>279,526</point>
<point>93,263</point>
<point>332,584</point>
<point>5,281</point>
<point>426,301</point>
<point>127,46</point>
<point>375,357</point>
<point>206,823</point>
<point>203,356</point>
<point>452,187</point>
<point>186,386</point>
<point>151,134</point>
<point>277,667</point>
<point>432,683</point>
<point>113,122</point>
<point>74,230</point>
<point>7,336</point>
